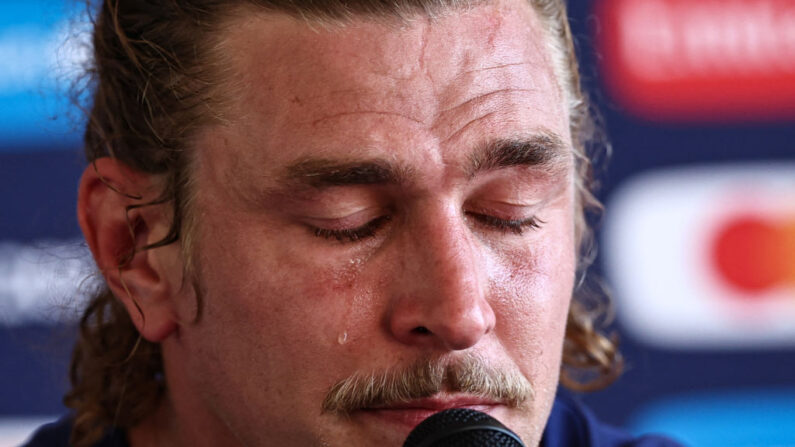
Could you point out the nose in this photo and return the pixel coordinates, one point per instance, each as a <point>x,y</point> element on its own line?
<point>439,298</point>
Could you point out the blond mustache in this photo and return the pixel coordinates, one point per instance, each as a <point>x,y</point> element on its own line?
<point>424,379</point>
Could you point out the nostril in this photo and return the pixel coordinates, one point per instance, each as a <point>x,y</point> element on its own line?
<point>421,330</point>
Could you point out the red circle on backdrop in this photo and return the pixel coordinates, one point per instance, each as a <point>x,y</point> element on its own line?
<point>746,253</point>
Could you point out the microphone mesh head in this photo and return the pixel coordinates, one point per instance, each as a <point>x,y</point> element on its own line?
<point>461,427</point>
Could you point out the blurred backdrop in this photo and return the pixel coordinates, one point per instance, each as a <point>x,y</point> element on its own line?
<point>697,246</point>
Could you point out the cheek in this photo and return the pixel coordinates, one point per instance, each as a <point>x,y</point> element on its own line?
<point>533,288</point>
<point>281,295</point>
<point>301,304</point>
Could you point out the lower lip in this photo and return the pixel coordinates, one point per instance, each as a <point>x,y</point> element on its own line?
<point>411,417</point>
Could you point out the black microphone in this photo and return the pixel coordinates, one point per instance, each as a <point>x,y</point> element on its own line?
<point>462,427</point>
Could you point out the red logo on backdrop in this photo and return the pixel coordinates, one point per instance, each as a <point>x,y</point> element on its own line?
<point>705,60</point>
<point>754,253</point>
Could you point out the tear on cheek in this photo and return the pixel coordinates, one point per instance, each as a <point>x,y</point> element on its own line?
<point>344,276</point>
<point>340,301</point>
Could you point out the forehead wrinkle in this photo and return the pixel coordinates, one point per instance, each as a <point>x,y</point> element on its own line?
<point>485,96</point>
<point>468,124</point>
<point>494,67</point>
<point>365,112</point>
<point>396,101</point>
<point>344,92</point>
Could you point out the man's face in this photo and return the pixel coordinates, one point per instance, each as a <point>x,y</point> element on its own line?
<point>381,195</point>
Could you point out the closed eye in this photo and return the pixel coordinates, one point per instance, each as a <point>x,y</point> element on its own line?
<point>352,234</point>
<point>516,226</point>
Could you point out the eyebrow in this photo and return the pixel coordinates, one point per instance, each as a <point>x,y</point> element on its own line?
<point>320,173</point>
<point>545,150</point>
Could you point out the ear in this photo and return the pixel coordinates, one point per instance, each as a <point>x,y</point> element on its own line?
<point>113,230</point>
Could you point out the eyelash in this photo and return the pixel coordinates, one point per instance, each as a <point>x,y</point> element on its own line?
<point>353,234</point>
<point>515,226</point>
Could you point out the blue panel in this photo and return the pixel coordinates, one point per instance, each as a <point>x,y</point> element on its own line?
<point>762,418</point>
<point>41,52</point>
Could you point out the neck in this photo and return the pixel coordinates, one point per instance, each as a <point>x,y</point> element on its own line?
<point>182,418</point>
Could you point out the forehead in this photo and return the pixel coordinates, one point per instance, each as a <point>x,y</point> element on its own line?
<point>379,82</point>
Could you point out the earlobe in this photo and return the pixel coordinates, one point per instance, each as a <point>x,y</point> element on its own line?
<point>116,229</point>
